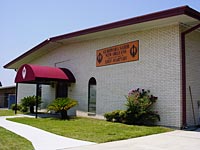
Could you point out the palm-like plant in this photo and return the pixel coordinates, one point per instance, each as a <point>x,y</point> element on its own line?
<point>30,101</point>
<point>62,105</point>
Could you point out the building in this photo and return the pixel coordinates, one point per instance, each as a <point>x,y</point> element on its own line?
<point>7,96</point>
<point>158,51</point>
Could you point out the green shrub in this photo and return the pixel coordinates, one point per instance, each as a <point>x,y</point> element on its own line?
<point>29,101</point>
<point>16,107</point>
<point>112,116</point>
<point>109,116</point>
<point>122,115</point>
<point>116,116</point>
<point>139,109</point>
<point>24,109</point>
<point>62,105</point>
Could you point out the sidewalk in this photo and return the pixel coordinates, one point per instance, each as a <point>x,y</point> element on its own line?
<point>175,140</point>
<point>41,139</point>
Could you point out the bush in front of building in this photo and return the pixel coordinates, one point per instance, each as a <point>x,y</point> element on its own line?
<point>19,107</point>
<point>139,109</point>
<point>62,105</point>
<point>29,102</point>
<point>16,107</point>
<point>116,116</point>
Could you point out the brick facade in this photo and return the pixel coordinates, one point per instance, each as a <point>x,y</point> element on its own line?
<point>192,77</point>
<point>168,64</point>
<point>158,69</point>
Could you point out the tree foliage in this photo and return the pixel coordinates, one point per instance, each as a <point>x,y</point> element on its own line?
<point>30,101</point>
<point>62,105</point>
<point>139,109</point>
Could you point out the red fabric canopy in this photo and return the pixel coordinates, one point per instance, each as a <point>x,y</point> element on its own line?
<point>35,73</point>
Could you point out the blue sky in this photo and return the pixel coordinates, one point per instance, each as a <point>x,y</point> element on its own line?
<point>26,23</point>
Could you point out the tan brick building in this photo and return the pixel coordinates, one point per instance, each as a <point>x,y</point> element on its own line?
<point>158,51</point>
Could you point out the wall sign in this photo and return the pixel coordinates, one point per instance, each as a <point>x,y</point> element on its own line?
<point>118,54</point>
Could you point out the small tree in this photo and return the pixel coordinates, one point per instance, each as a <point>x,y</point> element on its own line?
<point>30,101</point>
<point>62,105</point>
<point>139,107</point>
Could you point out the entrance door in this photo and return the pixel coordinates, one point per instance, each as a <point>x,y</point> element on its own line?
<point>92,96</point>
<point>62,90</point>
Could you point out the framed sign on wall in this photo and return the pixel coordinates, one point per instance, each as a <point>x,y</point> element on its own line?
<point>118,54</point>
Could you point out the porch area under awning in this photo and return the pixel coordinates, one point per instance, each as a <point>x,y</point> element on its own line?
<point>36,74</point>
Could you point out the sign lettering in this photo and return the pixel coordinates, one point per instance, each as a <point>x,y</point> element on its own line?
<point>118,54</point>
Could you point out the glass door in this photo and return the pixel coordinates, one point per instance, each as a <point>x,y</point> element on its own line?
<point>92,96</point>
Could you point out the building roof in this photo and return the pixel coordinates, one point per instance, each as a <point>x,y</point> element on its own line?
<point>7,87</point>
<point>184,15</point>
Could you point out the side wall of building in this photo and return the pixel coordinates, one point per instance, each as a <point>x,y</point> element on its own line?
<point>4,93</point>
<point>48,94</point>
<point>158,70</point>
<point>25,90</point>
<point>193,77</point>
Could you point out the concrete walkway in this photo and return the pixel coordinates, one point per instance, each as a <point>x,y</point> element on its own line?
<point>41,139</point>
<point>175,140</point>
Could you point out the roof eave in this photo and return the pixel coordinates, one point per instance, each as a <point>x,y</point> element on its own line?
<point>27,53</point>
<point>149,17</point>
<point>184,10</point>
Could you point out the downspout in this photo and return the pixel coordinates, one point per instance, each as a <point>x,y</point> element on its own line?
<point>16,91</point>
<point>37,97</point>
<point>183,57</point>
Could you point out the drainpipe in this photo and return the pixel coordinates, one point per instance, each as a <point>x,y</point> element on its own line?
<point>16,98</point>
<point>183,34</point>
<point>37,97</point>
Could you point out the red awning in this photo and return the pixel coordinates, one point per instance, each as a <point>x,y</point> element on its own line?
<point>35,74</point>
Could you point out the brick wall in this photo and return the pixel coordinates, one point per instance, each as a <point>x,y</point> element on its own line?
<point>192,76</point>
<point>158,70</point>
<point>25,90</point>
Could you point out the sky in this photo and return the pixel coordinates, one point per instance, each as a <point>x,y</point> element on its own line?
<point>26,23</point>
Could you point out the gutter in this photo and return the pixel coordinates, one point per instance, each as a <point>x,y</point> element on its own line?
<point>183,57</point>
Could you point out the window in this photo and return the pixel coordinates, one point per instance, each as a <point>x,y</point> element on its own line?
<point>92,96</point>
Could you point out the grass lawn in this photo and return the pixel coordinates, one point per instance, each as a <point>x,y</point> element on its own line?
<point>5,112</point>
<point>93,130</point>
<point>11,141</point>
